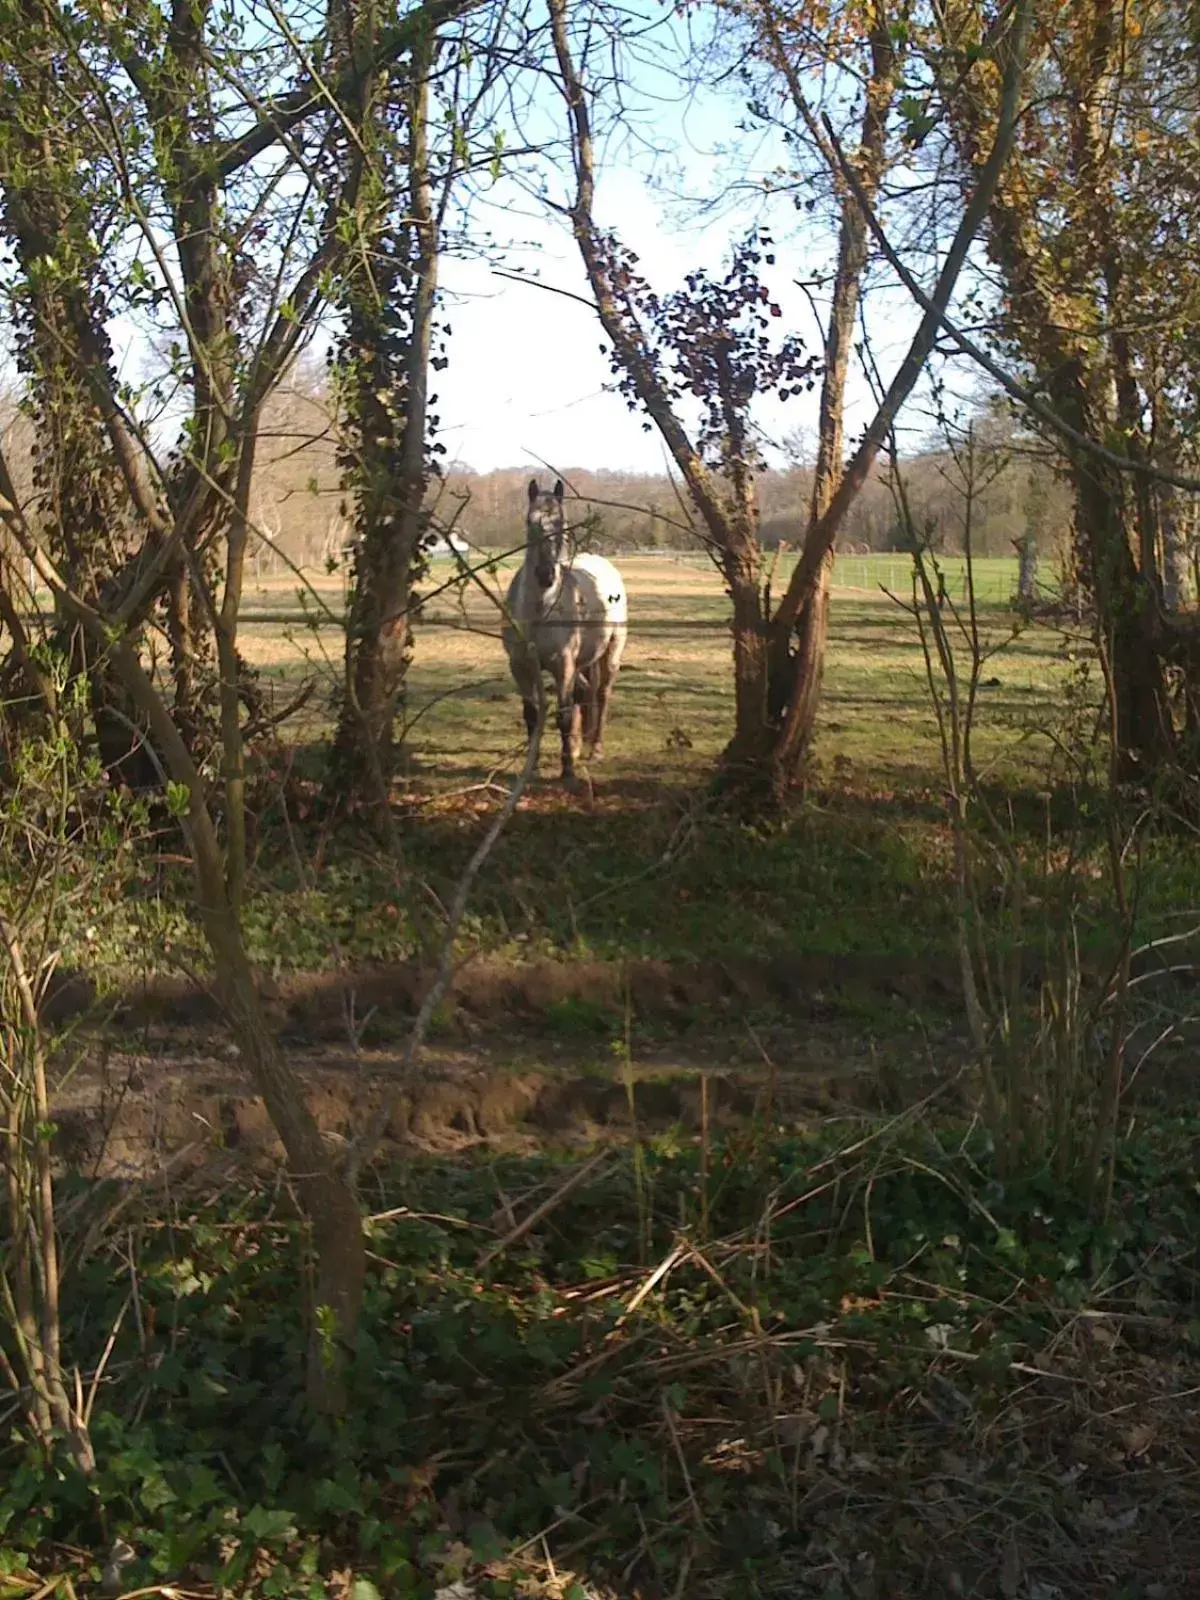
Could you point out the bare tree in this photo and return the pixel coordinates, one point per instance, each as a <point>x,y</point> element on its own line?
<point>801,627</point>
<point>762,757</point>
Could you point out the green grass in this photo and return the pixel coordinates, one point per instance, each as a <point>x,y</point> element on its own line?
<point>870,1355</point>
<point>646,869</point>
<point>673,708</point>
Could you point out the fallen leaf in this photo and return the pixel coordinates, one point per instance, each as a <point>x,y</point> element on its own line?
<point>1140,1437</point>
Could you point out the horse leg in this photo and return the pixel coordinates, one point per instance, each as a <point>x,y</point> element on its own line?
<point>599,713</point>
<point>568,721</point>
<point>572,744</point>
<point>527,672</point>
<point>606,672</point>
<point>585,699</point>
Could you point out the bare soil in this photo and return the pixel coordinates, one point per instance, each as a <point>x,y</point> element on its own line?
<point>523,1054</point>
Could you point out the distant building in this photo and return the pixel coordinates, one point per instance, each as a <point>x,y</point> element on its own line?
<point>448,544</point>
<point>444,544</point>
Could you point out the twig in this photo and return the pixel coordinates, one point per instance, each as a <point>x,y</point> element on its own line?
<point>363,1150</point>
<point>697,1514</point>
<point>650,1283</point>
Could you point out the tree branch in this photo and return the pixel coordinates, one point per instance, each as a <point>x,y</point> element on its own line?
<point>276,121</point>
<point>1018,391</point>
<point>622,327</point>
<point>823,530</point>
<point>362,1152</point>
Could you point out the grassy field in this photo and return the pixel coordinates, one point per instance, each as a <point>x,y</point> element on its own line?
<point>644,868</point>
<point>672,711</point>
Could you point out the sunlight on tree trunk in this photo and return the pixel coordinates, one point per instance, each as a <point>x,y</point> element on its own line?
<point>798,648</point>
<point>1075,304</point>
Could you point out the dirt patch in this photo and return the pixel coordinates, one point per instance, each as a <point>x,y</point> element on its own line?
<point>521,1054</point>
<point>127,1115</point>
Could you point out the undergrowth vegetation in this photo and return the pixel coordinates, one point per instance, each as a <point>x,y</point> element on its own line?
<point>945,1351</point>
<point>658,875</point>
<point>648,867</point>
<point>788,1364</point>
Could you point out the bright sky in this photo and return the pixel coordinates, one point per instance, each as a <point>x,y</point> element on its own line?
<point>526,379</point>
<point>527,384</point>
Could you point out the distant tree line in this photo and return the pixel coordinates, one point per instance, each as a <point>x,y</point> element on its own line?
<point>642,511</point>
<point>298,511</point>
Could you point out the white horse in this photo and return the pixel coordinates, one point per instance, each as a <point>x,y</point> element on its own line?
<point>568,618</point>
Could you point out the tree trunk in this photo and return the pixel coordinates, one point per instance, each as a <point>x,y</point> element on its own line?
<point>1090,378</point>
<point>750,746</point>
<point>388,349</point>
<point>798,647</point>
<point>81,489</point>
<point>185,657</point>
<point>1127,608</point>
<point>339,1246</point>
<point>613,281</point>
<point>729,521</point>
<point>1174,517</point>
<point>797,718</point>
<point>1027,567</point>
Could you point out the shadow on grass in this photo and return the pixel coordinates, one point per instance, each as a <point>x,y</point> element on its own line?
<point>640,870</point>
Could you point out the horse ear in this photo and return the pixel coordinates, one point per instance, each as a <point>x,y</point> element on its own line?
<point>558,490</point>
<point>533,490</point>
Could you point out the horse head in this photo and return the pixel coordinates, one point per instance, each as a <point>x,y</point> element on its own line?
<point>544,532</point>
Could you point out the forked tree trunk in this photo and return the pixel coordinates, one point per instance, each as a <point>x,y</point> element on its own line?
<point>794,652</point>
<point>798,646</point>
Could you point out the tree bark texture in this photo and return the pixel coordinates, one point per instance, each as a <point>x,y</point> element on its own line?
<point>1079,346</point>
<point>728,515</point>
<point>798,644</point>
<point>339,1246</point>
<point>80,491</point>
<point>386,364</point>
